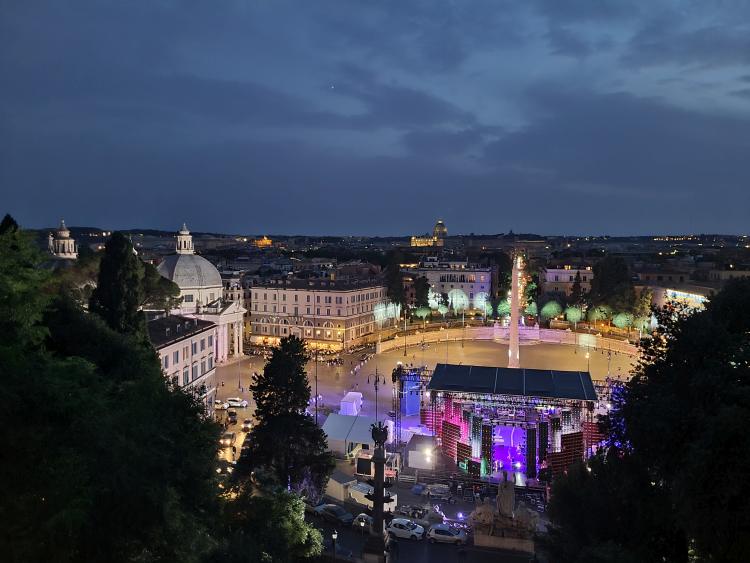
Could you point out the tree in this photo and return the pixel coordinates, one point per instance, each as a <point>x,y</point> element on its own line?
<point>679,421</point>
<point>623,320</point>
<point>573,314</point>
<point>576,291</point>
<point>122,471</point>
<point>159,292</point>
<point>22,303</point>
<point>423,313</point>
<point>282,388</point>
<point>119,292</point>
<point>503,308</point>
<point>421,292</point>
<point>599,313</point>
<point>267,528</point>
<point>394,281</point>
<point>551,310</point>
<point>531,309</point>
<point>684,413</point>
<point>286,442</point>
<point>607,510</point>
<point>612,285</point>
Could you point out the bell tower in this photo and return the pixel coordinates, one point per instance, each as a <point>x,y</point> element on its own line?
<point>184,241</point>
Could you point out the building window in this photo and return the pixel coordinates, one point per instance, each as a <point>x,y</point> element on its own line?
<point>210,297</point>
<point>318,311</point>
<point>176,357</point>
<point>210,340</point>
<point>185,352</point>
<point>194,346</point>
<point>203,367</point>
<point>185,376</point>
<point>210,362</point>
<point>195,371</point>
<point>203,344</point>
<point>188,298</point>
<point>165,361</point>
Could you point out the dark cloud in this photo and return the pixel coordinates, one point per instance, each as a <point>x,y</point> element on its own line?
<point>625,152</point>
<point>563,41</point>
<point>439,143</point>
<point>681,37</point>
<point>264,117</point>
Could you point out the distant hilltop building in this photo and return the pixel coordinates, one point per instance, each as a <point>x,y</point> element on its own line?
<point>439,233</point>
<point>60,245</point>
<point>263,242</point>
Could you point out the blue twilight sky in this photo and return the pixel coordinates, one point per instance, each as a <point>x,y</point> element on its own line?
<point>377,117</point>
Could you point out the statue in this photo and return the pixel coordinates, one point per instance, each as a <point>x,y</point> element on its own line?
<point>379,434</point>
<point>506,497</point>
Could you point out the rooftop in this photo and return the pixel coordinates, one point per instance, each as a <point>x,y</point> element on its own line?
<point>521,382</point>
<point>320,284</point>
<point>166,330</point>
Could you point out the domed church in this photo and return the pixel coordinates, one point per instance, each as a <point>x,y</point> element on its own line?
<point>201,291</point>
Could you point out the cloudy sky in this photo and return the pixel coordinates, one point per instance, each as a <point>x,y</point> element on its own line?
<point>377,117</point>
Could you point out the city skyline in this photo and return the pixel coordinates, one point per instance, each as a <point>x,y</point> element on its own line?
<point>583,118</point>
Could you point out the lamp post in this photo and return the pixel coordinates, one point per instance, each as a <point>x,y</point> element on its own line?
<point>334,536</point>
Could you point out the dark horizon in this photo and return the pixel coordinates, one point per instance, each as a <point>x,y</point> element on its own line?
<point>579,117</point>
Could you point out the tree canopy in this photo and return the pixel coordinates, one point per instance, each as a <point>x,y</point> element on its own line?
<point>421,292</point>
<point>551,309</point>
<point>120,291</point>
<point>676,473</point>
<point>286,442</point>
<point>103,467</point>
<point>612,285</point>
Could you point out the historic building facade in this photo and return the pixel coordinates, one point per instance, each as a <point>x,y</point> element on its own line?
<point>329,314</point>
<point>202,293</point>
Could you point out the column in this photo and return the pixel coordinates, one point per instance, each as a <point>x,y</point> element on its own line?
<point>240,334</point>
<point>236,339</point>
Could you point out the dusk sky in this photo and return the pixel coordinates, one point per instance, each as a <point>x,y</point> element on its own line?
<point>323,117</point>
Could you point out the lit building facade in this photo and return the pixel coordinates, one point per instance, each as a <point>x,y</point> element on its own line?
<point>467,286</point>
<point>61,245</point>
<point>329,314</point>
<point>187,353</point>
<point>439,233</point>
<point>561,279</point>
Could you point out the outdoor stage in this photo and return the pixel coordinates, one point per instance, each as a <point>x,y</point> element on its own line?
<point>496,421</point>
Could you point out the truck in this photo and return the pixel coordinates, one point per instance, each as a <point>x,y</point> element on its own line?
<point>365,468</point>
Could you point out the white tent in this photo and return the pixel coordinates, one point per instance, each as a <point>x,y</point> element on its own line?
<point>346,433</point>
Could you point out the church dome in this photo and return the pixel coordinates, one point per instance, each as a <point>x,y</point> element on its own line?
<point>190,271</point>
<point>440,231</point>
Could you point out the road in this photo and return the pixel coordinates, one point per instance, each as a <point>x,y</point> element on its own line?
<point>334,381</point>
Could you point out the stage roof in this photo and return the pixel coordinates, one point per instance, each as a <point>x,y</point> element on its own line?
<point>521,382</point>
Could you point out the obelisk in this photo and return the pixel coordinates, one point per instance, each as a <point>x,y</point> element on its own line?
<point>515,301</point>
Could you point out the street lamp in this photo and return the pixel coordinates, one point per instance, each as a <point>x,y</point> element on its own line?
<point>334,536</point>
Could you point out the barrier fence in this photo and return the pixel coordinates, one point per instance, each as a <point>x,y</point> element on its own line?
<point>500,334</point>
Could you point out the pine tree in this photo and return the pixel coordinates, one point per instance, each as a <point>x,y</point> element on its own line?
<point>286,442</point>
<point>119,292</point>
<point>282,388</point>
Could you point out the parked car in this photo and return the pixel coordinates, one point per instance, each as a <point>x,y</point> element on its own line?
<point>334,513</point>
<point>227,439</point>
<point>363,522</point>
<point>444,533</point>
<point>237,402</point>
<point>247,425</point>
<point>220,405</point>
<point>232,417</point>
<point>403,528</point>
